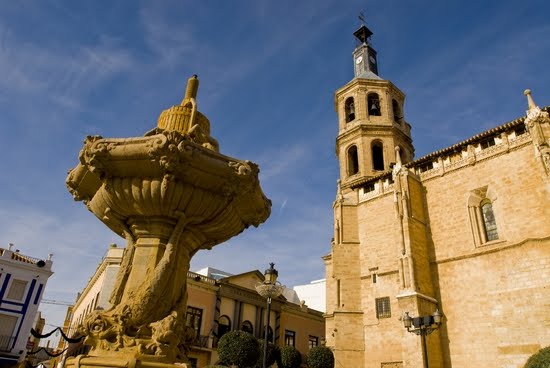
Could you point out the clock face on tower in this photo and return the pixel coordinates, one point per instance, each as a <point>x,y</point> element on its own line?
<point>359,60</point>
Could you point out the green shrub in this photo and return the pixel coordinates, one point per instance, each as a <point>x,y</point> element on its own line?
<point>541,359</point>
<point>289,357</point>
<point>272,354</point>
<point>238,348</point>
<point>320,357</point>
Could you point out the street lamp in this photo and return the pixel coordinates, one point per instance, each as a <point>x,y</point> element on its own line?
<point>423,326</point>
<point>269,289</point>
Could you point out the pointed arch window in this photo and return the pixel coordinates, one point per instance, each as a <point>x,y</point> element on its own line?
<point>353,161</point>
<point>482,216</point>
<point>397,115</point>
<point>349,107</point>
<point>373,104</point>
<point>377,151</point>
<point>489,223</point>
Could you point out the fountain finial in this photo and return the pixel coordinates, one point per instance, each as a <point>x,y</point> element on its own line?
<point>191,90</point>
<point>185,118</point>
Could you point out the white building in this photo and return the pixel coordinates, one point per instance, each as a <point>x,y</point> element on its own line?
<point>22,283</point>
<point>97,292</point>
<point>313,294</point>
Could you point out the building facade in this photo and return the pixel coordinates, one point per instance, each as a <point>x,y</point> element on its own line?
<point>217,302</point>
<point>22,283</point>
<point>464,230</point>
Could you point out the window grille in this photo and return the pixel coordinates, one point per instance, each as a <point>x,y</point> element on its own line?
<point>383,309</point>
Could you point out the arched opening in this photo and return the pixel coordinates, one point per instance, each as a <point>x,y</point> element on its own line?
<point>353,161</point>
<point>269,334</point>
<point>489,223</point>
<point>377,150</point>
<point>349,107</point>
<point>224,325</point>
<point>247,327</point>
<point>397,115</point>
<point>373,104</point>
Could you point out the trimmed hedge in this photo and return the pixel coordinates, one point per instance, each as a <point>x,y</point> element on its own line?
<point>272,354</point>
<point>289,358</point>
<point>541,359</point>
<point>238,348</point>
<point>320,357</point>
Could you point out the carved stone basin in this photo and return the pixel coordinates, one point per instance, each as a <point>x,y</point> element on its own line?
<point>169,194</point>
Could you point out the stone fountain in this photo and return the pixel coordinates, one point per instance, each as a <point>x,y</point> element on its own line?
<point>169,193</point>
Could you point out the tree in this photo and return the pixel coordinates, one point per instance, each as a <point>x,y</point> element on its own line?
<point>238,348</point>
<point>289,357</point>
<point>272,354</point>
<point>320,357</point>
<point>541,359</point>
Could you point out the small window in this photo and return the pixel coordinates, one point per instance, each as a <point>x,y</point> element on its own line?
<point>489,223</point>
<point>487,143</point>
<point>194,320</point>
<point>383,309</point>
<point>426,167</point>
<point>377,156</point>
<point>373,104</point>
<point>353,161</point>
<point>349,107</point>
<point>224,326</point>
<point>290,338</point>
<point>313,341</point>
<point>367,188</point>
<point>247,327</point>
<point>17,290</point>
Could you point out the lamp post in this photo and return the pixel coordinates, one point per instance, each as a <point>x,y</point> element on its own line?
<point>269,289</point>
<point>423,326</point>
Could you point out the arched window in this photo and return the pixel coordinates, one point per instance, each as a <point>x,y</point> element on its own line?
<point>377,150</point>
<point>353,161</point>
<point>373,104</point>
<point>224,325</point>
<point>482,215</point>
<point>349,109</point>
<point>397,116</point>
<point>489,223</point>
<point>269,334</point>
<point>247,327</point>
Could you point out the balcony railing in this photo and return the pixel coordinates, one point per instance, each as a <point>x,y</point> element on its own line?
<point>6,342</point>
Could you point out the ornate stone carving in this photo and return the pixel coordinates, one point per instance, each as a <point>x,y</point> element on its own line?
<point>168,194</point>
<point>538,124</point>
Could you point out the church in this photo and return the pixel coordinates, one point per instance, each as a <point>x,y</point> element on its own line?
<point>443,260</point>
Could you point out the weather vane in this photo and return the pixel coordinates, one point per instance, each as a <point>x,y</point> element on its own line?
<point>362,17</point>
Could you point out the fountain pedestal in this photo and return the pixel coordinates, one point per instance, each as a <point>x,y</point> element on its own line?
<point>169,194</point>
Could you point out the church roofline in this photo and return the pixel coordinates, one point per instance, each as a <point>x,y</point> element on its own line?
<point>455,147</point>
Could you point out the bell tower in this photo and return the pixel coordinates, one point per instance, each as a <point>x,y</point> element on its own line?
<point>370,119</point>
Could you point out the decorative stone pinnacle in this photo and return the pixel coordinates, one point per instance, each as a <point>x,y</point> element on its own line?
<point>398,155</point>
<point>530,101</point>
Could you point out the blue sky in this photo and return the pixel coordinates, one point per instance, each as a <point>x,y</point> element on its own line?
<point>268,70</point>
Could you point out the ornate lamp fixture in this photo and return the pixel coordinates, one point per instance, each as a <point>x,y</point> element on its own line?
<point>269,289</point>
<point>423,326</point>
